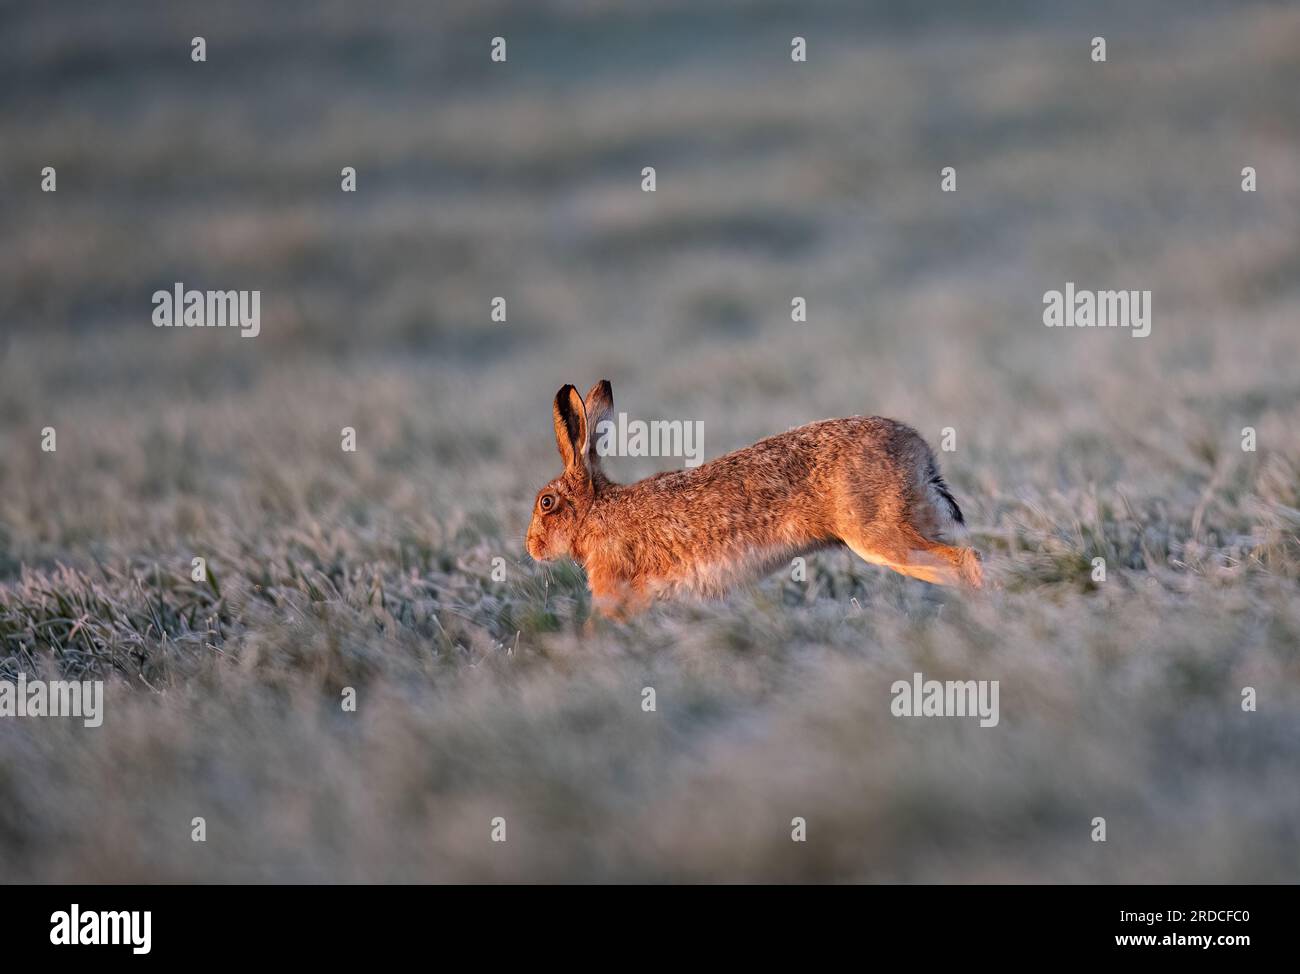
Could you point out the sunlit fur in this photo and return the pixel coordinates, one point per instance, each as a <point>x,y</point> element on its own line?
<point>869,483</point>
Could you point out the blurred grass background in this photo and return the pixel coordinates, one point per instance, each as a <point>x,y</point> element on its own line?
<point>522,179</point>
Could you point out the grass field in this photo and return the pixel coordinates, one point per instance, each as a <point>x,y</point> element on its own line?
<point>480,697</point>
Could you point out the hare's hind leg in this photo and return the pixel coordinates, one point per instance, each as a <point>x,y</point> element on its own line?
<point>907,552</point>
<point>964,563</point>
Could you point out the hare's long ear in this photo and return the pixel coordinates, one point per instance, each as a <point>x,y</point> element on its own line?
<point>600,409</point>
<point>571,428</point>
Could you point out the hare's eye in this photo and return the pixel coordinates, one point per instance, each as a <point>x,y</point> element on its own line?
<point>548,501</point>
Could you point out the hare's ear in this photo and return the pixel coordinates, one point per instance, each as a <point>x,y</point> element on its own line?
<point>600,409</point>
<point>571,428</point>
<point>599,404</point>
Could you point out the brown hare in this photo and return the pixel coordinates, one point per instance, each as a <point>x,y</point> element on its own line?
<point>869,483</point>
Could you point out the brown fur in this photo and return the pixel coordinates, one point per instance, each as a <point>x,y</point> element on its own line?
<point>869,483</point>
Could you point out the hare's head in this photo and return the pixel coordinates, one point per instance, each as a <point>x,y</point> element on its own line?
<point>561,505</point>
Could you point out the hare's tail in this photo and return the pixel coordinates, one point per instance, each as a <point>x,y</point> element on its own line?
<point>940,487</point>
<point>964,561</point>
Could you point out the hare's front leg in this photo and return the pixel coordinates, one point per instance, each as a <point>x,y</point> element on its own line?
<point>616,598</point>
